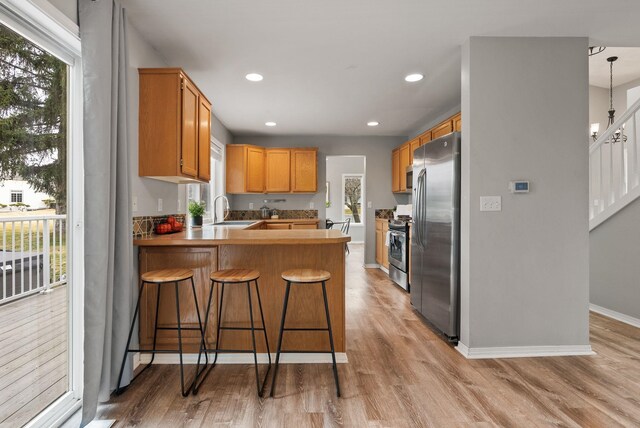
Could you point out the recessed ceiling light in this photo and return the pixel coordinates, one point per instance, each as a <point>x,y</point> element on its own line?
<point>254,77</point>
<point>415,77</point>
<point>372,123</point>
<point>270,123</point>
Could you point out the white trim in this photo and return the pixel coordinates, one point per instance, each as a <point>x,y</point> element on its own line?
<point>294,358</point>
<point>363,204</point>
<point>356,242</point>
<point>618,316</point>
<point>62,409</point>
<point>523,351</point>
<point>384,269</point>
<point>371,265</point>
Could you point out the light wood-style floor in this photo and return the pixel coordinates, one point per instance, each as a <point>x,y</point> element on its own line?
<point>400,374</point>
<point>33,355</point>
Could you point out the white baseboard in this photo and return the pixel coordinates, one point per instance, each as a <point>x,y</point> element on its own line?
<point>371,266</point>
<point>618,316</point>
<point>384,269</point>
<point>523,351</point>
<point>355,242</point>
<point>341,358</point>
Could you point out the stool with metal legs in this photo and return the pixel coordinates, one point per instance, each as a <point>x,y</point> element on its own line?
<point>226,277</point>
<point>306,276</point>
<point>164,277</point>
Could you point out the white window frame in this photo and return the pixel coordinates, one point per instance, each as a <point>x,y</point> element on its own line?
<point>362,204</point>
<point>216,183</point>
<point>44,25</point>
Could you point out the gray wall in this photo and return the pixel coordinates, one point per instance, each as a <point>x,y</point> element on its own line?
<point>614,268</point>
<point>336,166</point>
<point>378,187</point>
<point>525,270</point>
<point>599,102</point>
<point>68,7</point>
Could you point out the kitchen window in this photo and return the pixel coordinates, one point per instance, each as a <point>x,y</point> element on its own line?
<point>352,196</point>
<point>207,192</point>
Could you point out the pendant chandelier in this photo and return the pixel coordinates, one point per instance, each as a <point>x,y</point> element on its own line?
<point>595,127</point>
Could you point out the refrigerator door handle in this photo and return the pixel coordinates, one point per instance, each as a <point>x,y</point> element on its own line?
<point>421,206</point>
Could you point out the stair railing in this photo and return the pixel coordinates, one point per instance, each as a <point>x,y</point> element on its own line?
<point>614,176</point>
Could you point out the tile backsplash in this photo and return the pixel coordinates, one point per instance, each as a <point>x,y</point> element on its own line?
<point>384,213</point>
<point>145,225</point>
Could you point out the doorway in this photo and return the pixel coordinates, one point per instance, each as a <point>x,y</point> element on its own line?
<point>345,196</point>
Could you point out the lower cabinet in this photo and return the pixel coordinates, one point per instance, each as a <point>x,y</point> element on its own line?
<point>382,251</point>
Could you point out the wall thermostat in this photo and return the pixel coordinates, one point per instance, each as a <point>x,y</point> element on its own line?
<point>519,186</point>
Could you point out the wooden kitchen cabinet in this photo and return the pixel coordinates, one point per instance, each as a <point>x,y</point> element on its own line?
<point>425,137</point>
<point>278,177</point>
<point>382,251</point>
<point>457,122</point>
<point>379,242</point>
<point>174,129</point>
<point>403,164</point>
<point>395,170</point>
<point>304,170</point>
<point>253,169</point>
<point>442,129</point>
<point>245,170</point>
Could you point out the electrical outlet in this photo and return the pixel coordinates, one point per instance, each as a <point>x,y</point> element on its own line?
<point>311,205</point>
<point>490,203</point>
<point>179,206</point>
<point>250,205</point>
<point>134,204</point>
<point>159,204</point>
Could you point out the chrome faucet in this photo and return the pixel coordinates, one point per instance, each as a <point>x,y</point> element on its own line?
<point>226,208</point>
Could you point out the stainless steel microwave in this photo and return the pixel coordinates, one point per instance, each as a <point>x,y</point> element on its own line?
<point>409,177</point>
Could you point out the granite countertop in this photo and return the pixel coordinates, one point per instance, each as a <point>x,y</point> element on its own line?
<point>245,234</point>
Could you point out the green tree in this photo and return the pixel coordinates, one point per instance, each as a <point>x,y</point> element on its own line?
<point>33,116</point>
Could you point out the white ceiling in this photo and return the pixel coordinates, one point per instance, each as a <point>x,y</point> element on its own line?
<point>330,66</point>
<point>625,69</point>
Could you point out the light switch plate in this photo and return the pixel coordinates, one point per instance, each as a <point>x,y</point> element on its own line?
<point>134,204</point>
<point>369,205</point>
<point>311,205</point>
<point>250,205</point>
<point>159,204</point>
<point>490,203</point>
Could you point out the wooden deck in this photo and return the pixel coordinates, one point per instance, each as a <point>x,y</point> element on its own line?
<point>33,355</point>
<point>401,374</point>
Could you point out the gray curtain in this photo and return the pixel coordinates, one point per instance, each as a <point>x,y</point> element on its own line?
<point>108,244</point>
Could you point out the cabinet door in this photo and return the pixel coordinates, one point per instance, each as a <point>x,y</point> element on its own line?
<point>385,249</point>
<point>278,226</point>
<point>189,150</point>
<point>255,169</point>
<point>204,140</point>
<point>304,170</point>
<point>404,163</point>
<point>443,129</point>
<point>425,138</point>
<point>395,167</point>
<point>457,122</point>
<point>278,176</point>
<point>413,145</point>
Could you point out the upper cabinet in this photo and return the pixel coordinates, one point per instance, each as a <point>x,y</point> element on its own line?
<point>278,178</point>
<point>402,156</point>
<point>304,170</point>
<point>174,130</point>
<point>253,169</point>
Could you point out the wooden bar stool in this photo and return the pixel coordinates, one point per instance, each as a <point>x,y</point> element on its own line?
<point>235,276</point>
<point>160,278</point>
<point>306,276</point>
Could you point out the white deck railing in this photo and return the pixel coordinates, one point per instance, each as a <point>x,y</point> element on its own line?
<point>33,255</point>
<point>613,168</point>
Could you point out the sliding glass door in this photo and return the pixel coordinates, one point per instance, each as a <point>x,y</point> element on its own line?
<point>40,220</point>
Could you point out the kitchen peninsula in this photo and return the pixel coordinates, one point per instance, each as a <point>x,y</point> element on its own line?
<point>246,245</point>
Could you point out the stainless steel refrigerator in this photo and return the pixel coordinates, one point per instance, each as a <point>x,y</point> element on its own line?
<point>435,234</point>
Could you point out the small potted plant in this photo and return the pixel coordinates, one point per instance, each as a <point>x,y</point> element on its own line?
<point>196,209</point>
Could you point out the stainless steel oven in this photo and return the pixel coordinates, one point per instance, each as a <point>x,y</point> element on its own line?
<point>399,252</point>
